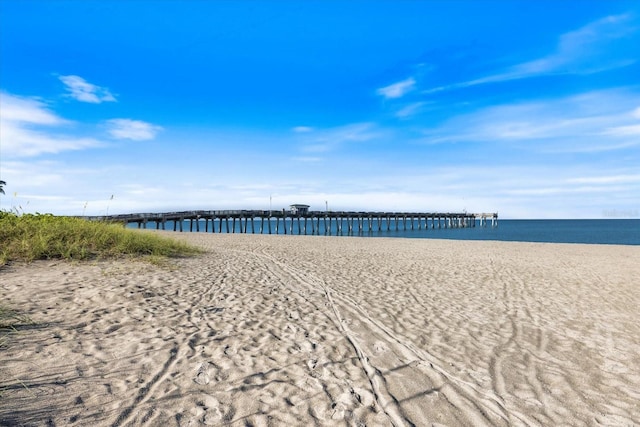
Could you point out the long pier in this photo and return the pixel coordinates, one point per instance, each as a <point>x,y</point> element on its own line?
<point>312,222</point>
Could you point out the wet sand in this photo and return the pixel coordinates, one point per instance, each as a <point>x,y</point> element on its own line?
<point>329,331</point>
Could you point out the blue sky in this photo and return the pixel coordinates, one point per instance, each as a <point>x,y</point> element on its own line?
<point>527,108</point>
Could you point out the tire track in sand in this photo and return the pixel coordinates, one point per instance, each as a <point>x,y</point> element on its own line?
<point>143,394</point>
<point>193,319</point>
<point>477,407</point>
<point>383,398</point>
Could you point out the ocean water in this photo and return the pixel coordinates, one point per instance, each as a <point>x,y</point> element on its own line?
<point>591,231</point>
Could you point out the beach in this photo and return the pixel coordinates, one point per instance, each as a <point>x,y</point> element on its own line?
<point>270,330</point>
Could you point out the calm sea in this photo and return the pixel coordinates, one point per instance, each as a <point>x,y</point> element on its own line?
<point>594,231</point>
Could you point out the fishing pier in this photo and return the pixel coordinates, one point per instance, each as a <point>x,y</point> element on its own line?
<point>301,222</point>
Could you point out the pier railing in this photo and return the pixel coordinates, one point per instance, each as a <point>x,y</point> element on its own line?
<point>312,222</point>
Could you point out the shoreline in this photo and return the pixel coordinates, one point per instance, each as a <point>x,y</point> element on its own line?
<point>291,330</point>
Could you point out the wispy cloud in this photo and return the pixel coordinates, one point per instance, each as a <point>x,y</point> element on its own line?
<point>607,179</point>
<point>598,46</point>
<point>589,49</point>
<point>307,159</point>
<point>397,90</point>
<point>324,140</point>
<point>58,185</point>
<point>26,129</point>
<point>19,109</point>
<point>589,122</point>
<point>633,130</point>
<point>409,110</point>
<point>28,174</point>
<point>136,130</point>
<point>83,91</point>
<point>302,129</point>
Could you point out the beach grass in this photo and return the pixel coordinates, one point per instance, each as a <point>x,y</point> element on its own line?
<point>31,237</point>
<point>26,238</point>
<point>9,318</point>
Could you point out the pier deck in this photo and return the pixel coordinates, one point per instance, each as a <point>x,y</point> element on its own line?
<point>313,222</point>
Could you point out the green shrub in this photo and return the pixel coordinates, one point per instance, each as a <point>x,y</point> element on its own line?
<point>31,237</point>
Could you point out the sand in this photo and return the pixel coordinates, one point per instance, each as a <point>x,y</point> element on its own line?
<point>329,331</point>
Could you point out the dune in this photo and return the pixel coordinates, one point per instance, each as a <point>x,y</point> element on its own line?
<point>329,331</point>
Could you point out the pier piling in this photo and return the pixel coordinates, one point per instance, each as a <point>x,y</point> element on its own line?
<point>349,223</point>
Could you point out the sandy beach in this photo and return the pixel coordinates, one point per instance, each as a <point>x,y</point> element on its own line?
<point>328,331</point>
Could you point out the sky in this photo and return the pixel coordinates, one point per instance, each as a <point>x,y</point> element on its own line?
<point>526,108</point>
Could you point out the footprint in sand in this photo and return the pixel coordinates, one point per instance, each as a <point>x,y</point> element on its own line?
<point>295,315</point>
<point>290,328</point>
<point>338,410</point>
<point>229,351</point>
<point>212,416</point>
<point>379,347</point>
<point>207,412</point>
<point>314,371</point>
<point>312,363</point>
<point>202,374</point>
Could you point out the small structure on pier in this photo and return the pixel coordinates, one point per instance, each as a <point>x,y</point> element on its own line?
<point>299,209</point>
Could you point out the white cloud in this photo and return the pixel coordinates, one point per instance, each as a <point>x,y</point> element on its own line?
<point>19,109</point>
<point>587,50</point>
<point>302,129</point>
<point>41,185</point>
<point>521,191</point>
<point>83,91</point>
<point>559,190</point>
<point>324,140</point>
<point>589,122</point>
<point>136,130</point>
<point>598,46</point>
<point>633,130</point>
<point>409,110</point>
<point>397,90</point>
<point>606,179</point>
<point>25,129</point>
<point>307,159</point>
